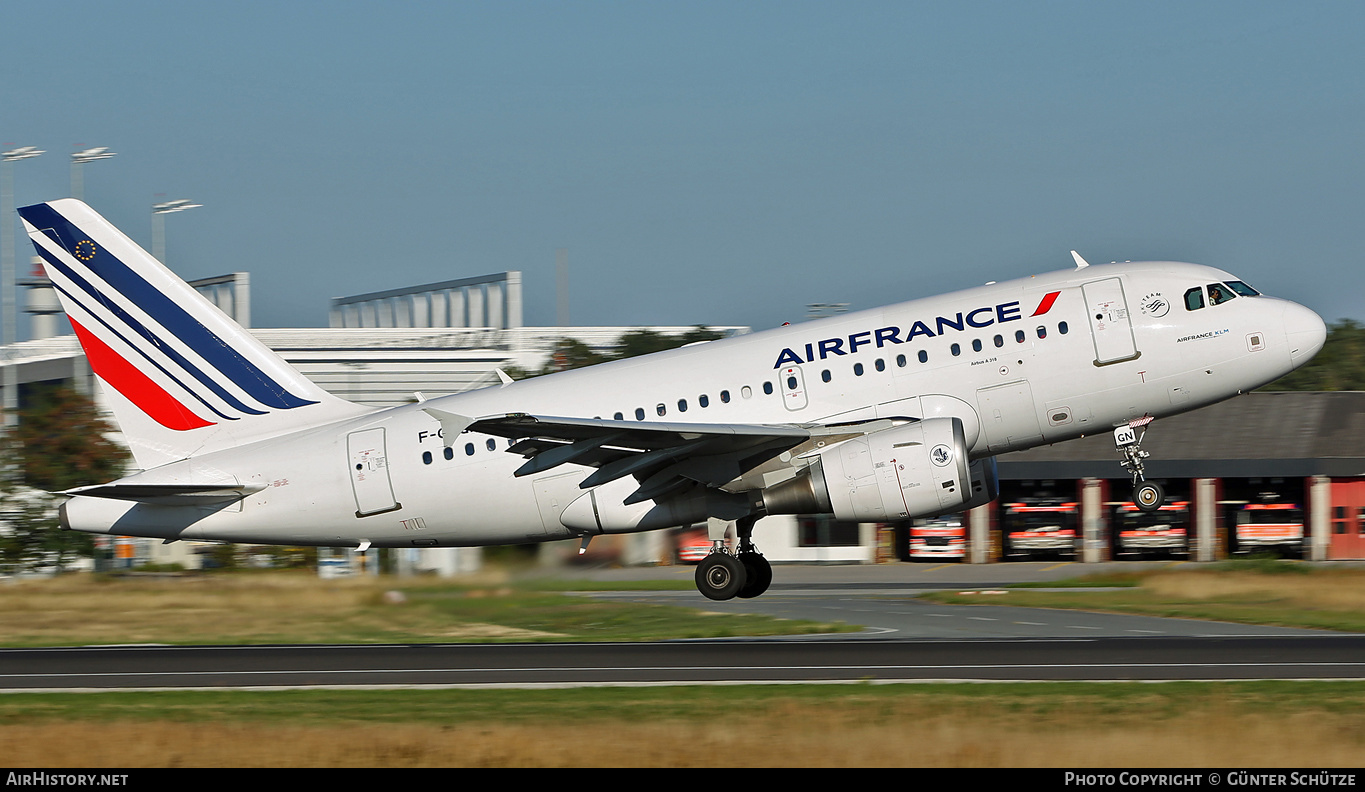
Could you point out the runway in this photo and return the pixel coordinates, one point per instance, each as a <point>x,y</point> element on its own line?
<point>903,640</point>
<point>687,662</point>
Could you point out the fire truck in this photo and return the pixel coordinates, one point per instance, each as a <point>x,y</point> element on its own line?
<point>1041,528</point>
<point>940,537</point>
<point>1164,531</point>
<point>1270,526</point>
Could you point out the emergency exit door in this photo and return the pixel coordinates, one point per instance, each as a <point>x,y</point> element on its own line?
<point>370,473</point>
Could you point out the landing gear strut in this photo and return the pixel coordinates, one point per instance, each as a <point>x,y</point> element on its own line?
<point>724,575</point>
<point>1147,495</point>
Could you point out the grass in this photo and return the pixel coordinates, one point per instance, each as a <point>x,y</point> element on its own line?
<point>1249,591</point>
<point>298,608</point>
<point>1177,724</point>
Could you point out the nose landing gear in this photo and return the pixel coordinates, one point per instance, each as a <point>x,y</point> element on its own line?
<point>1147,495</point>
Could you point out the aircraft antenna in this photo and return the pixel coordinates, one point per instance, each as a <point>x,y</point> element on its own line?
<point>1080,262</point>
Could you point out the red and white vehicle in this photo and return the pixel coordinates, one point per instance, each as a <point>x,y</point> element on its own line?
<point>1165,530</point>
<point>939,537</point>
<point>1035,529</point>
<point>693,545</point>
<point>1277,526</point>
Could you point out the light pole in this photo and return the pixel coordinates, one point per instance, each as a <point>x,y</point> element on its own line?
<point>9,332</point>
<point>77,173</point>
<point>159,212</point>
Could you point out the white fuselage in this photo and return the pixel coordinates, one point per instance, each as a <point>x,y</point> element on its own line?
<point>1038,360</point>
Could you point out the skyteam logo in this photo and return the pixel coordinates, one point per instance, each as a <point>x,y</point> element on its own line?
<point>159,354</point>
<point>1000,313</point>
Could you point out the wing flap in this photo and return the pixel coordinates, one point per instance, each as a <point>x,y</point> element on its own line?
<point>664,457</point>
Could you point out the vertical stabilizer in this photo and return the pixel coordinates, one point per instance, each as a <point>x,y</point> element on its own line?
<point>181,376</point>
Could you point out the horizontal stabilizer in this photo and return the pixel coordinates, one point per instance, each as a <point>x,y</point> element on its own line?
<point>169,494</point>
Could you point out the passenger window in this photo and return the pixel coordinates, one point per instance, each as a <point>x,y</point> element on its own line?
<point>704,400</point>
<point>976,345</point>
<point>639,413</point>
<point>900,361</point>
<point>725,397</point>
<point>1020,335</point>
<point>1042,332</point>
<point>1218,293</point>
<point>618,417</point>
<point>1194,299</point>
<point>492,444</point>
<point>426,457</point>
<point>791,383</point>
<point>857,369</point>
<point>746,392</point>
<point>824,375</point>
<point>768,388</point>
<point>449,453</point>
<point>660,409</point>
<point>881,364</point>
<point>955,349</point>
<point>1062,328</point>
<point>923,356</point>
<point>999,341</point>
<point>469,449</point>
<point>682,405</point>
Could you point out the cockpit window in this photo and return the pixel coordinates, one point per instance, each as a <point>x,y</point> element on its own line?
<point>1218,293</point>
<point>1194,299</point>
<point>1243,289</point>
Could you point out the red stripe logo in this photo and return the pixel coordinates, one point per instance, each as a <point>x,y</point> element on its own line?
<point>1046,304</point>
<point>135,386</point>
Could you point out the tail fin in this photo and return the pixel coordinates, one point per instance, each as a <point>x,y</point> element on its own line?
<point>181,376</point>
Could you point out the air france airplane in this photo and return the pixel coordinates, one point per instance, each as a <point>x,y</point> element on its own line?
<point>876,416</point>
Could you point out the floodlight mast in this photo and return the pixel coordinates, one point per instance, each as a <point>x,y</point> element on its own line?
<point>9,331</point>
<point>159,212</point>
<point>78,159</point>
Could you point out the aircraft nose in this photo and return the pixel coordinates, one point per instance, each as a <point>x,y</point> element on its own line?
<point>1306,333</point>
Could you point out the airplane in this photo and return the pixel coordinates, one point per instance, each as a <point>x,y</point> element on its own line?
<point>879,415</point>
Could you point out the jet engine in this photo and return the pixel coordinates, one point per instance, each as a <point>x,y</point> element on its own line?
<point>917,469</point>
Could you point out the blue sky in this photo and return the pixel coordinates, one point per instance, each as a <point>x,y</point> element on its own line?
<point>703,162</point>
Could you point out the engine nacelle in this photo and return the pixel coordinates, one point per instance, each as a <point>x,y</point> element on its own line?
<point>917,469</point>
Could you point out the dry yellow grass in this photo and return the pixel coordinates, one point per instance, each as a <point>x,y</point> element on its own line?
<point>1335,590</point>
<point>76,609</point>
<point>794,736</point>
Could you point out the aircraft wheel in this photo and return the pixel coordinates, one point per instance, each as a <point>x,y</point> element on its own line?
<point>758,575</point>
<point>1148,496</point>
<point>720,576</point>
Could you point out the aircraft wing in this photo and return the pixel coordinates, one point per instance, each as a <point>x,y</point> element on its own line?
<point>663,457</point>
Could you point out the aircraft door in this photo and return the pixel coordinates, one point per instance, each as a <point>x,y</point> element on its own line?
<point>370,473</point>
<point>1110,325</point>
<point>793,386</point>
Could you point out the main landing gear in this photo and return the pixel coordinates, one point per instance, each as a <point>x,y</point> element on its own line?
<point>1147,495</point>
<point>744,573</point>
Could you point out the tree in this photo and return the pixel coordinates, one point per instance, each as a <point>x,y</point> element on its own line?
<point>570,354</point>
<point>60,442</point>
<point>64,442</point>
<point>1339,366</point>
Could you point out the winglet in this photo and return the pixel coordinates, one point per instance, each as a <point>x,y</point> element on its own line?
<point>1080,262</point>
